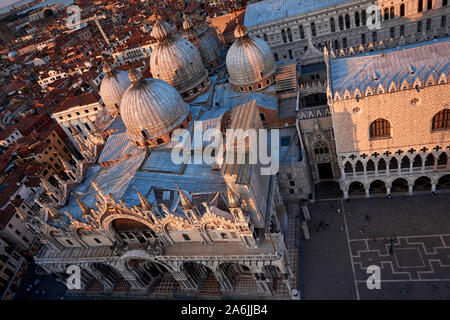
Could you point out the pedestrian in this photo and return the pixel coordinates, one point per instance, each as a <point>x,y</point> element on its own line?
<point>349,213</point>
<point>403,291</point>
<point>339,211</point>
<point>361,232</point>
<point>367,217</point>
<point>342,228</point>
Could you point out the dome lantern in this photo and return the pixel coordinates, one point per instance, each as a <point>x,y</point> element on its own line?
<point>113,87</point>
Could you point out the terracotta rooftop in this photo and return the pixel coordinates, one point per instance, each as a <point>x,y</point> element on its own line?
<point>78,101</point>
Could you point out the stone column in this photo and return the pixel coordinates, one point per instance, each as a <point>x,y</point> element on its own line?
<point>367,192</point>
<point>435,164</point>
<point>410,188</point>
<point>388,190</point>
<point>433,187</point>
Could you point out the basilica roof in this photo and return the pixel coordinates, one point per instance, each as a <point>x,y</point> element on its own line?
<point>391,69</point>
<point>270,10</point>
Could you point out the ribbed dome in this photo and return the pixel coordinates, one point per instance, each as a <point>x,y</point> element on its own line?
<point>161,30</point>
<point>178,62</point>
<point>151,108</point>
<point>250,61</point>
<point>209,46</point>
<point>113,87</point>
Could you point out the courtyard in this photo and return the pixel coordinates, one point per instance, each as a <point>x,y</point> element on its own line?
<point>408,237</point>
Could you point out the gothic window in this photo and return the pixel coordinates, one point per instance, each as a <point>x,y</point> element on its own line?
<point>405,163</point>
<point>393,164</point>
<point>392,13</point>
<point>348,167</point>
<point>420,6</point>
<point>417,163</point>
<point>444,3</point>
<point>441,120</point>
<point>359,167</point>
<point>430,5</point>
<point>380,128</point>
<point>370,165</point>
<point>321,148</point>
<point>381,165</point>
<point>363,17</point>
<point>332,25</point>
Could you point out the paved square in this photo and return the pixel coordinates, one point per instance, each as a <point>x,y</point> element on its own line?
<point>407,237</point>
<point>408,258</point>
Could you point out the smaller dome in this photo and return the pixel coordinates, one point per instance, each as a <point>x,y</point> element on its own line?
<point>113,87</point>
<point>161,30</point>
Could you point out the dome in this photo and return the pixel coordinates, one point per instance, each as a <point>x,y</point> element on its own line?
<point>113,87</point>
<point>151,109</point>
<point>250,62</point>
<point>206,41</point>
<point>176,61</point>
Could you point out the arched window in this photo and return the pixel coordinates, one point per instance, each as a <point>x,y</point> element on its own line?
<point>348,168</point>
<point>313,29</point>
<point>332,25</point>
<point>392,13</point>
<point>363,17</point>
<point>420,6</point>
<point>357,21</point>
<point>441,120</point>
<point>430,5</point>
<point>341,23</point>
<point>159,141</point>
<point>380,128</point>
<point>402,10</point>
<point>347,21</point>
<point>302,32</point>
<point>386,14</point>
<point>289,34</point>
